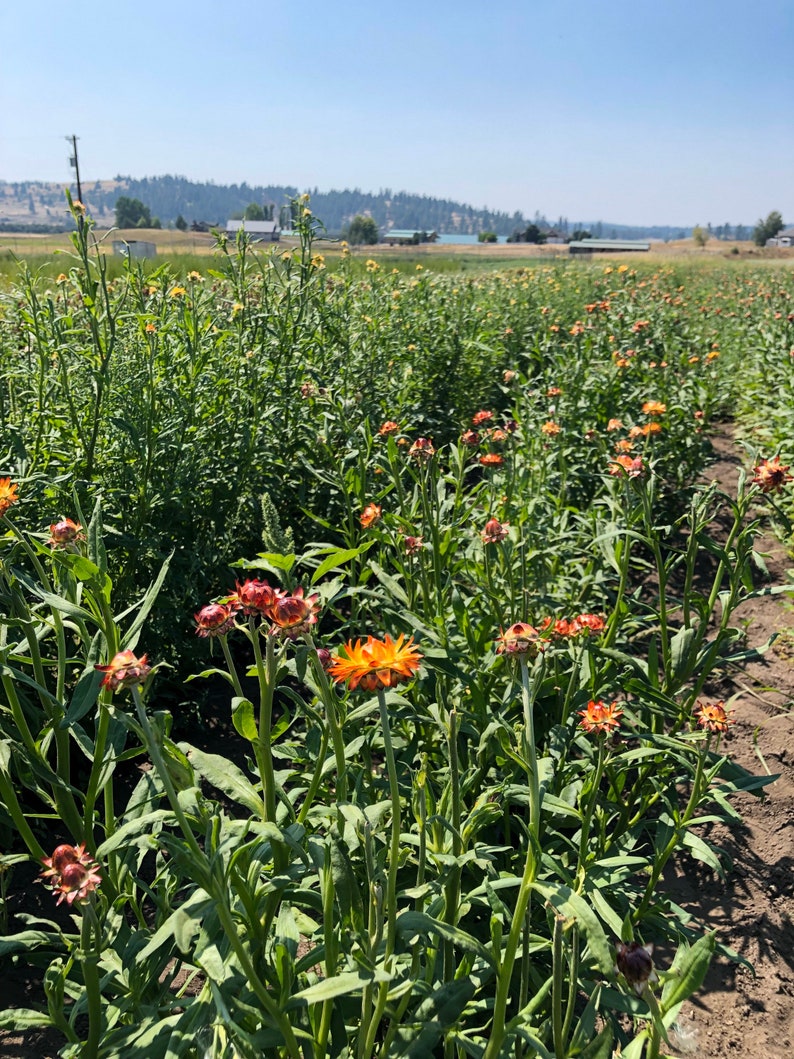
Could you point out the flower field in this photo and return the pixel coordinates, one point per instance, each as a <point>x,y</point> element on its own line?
<point>438,550</point>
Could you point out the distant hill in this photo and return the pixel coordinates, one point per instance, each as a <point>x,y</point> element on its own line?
<point>39,206</point>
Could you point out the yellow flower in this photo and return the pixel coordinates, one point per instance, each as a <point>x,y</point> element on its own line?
<point>372,266</point>
<point>376,663</point>
<point>177,292</point>
<point>623,268</point>
<point>318,261</point>
<point>195,277</point>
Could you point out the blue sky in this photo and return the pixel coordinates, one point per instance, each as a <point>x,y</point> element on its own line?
<point>636,112</point>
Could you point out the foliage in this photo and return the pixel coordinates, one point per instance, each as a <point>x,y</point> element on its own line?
<point>700,236</point>
<point>180,223</point>
<point>453,858</point>
<point>767,229</point>
<point>531,234</point>
<point>361,231</point>
<point>581,233</point>
<point>487,237</point>
<point>131,213</point>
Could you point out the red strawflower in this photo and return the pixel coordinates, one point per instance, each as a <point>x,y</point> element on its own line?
<point>422,449</point>
<point>495,531</point>
<point>520,639</point>
<point>72,873</point>
<point>253,597</point>
<point>64,533</point>
<point>625,466</point>
<point>470,437</point>
<point>293,615</point>
<point>216,619</point>
<point>414,545</point>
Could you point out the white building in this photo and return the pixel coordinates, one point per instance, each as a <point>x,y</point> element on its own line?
<point>260,231</point>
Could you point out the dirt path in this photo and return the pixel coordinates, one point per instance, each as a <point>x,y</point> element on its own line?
<point>738,1013</point>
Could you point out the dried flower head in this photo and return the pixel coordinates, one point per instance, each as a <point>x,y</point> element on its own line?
<point>72,873</point>
<point>770,475</point>
<point>376,663</point>
<point>636,965</point>
<point>124,671</point>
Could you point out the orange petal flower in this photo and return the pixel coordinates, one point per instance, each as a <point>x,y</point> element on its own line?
<point>714,716</point>
<point>389,427</point>
<point>8,495</point>
<point>600,718</point>
<point>491,459</point>
<point>654,408</point>
<point>376,663</point>
<point>124,671</point>
<point>770,475</point>
<point>369,515</point>
<point>481,417</point>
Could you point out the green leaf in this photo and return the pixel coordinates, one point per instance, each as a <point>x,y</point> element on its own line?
<point>130,639</point>
<point>574,906</point>
<point>600,1047</point>
<point>337,559</point>
<point>243,718</point>
<point>182,925</point>
<point>23,1019</point>
<point>434,1016</point>
<point>688,971</point>
<point>412,923</point>
<point>389,582</point>
<point>680,650</point>
<point>225,776</point>
<point>330,988</point>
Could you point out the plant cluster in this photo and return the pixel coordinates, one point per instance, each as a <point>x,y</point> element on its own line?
<point>462,737</point>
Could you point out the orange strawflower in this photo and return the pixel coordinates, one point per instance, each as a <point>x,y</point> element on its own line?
<point>550,429</point>
<point>654,408</point>
<point>370,515</point>
<point>614,424</point>
<point>376,663</point>
<point>625,465</point>
<point>600,718</point>
<point>389,427</point>
<point>8,495</point>
<point>491,459</point>
<point>481,417</point>
<point>713,716</point>
<point>770,476</point>
<point>124,671</point>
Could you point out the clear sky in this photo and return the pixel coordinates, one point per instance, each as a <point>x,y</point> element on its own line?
<point>632,111</point>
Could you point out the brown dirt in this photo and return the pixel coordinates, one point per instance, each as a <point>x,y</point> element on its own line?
<point>739,1012</point>
<point>743,1012</point>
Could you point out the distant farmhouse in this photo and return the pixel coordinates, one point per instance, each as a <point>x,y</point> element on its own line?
<point>784,238</point>
<point>606,246</point>
<point>408,237</point>
<point>260,231</point>
<point>553,235</point>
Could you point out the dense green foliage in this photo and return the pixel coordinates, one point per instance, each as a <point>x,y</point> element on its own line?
<point>448,852</point>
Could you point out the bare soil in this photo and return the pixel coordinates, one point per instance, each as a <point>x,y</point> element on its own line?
<point>739,1012</point>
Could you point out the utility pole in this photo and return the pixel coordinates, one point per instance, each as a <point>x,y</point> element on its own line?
<point>73,162</point>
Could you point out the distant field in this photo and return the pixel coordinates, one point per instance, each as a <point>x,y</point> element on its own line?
<point>185,250</point>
